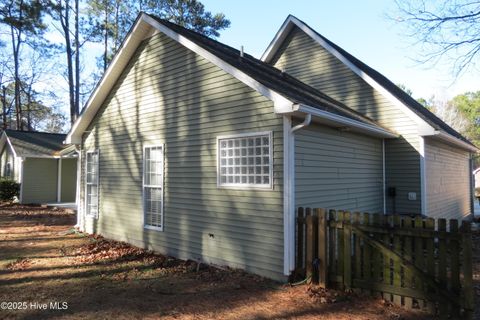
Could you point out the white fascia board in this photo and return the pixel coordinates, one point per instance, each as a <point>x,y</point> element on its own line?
<point>138,34</point>
<point>4,140</point>
<point>292,21</point>
<point>453,140</point>
<point>367,128</point>
<point>281,104</point>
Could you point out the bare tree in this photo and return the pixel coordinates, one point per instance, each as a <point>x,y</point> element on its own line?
<point>447,30</point>
<point>450,114</point>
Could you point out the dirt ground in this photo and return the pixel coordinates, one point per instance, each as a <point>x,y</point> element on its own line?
<point>48,270</point>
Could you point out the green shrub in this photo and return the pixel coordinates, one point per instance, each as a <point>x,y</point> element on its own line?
<point>9,189</point>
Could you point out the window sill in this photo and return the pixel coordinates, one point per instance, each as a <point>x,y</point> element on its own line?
<point>153,228</point>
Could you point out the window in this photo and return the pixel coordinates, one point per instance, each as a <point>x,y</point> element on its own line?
<point>245,160</point>
<point>91,184</point>
<point>153,187</point>
<point>8,170</point>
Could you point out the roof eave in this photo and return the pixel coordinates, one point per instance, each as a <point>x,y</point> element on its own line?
<point>292,21</point>
<point>281,104</point>
<point>454,140</point>
<point>338,120</point>
<point>139,32</point>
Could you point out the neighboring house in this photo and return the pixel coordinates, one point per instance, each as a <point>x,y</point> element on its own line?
<point>45,168</point>
<point>476,176</point>
<point>197,150</point>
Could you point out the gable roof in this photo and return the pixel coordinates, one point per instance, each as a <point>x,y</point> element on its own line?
<point>285,91</point>
<point>34,144</point>
<point>370,75</point>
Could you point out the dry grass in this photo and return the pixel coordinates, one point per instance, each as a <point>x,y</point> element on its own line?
<point>42,260</point>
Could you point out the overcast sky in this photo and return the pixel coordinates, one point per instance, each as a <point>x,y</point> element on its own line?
<point>360,27</point>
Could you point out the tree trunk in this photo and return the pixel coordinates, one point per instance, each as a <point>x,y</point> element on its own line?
<point>65,22</point>
<point>77,64</point>
<point>105,42</point>
<point>4,108</point>
<point>16,75</point>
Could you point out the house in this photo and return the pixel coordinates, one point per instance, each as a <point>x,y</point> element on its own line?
<point>197,150</point>
<point>476,176</point>
<point>45,168</point>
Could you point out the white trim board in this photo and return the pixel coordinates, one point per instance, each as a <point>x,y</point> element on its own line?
<point>147,25</point>
<point>292,21</point>
<point>138,34</point>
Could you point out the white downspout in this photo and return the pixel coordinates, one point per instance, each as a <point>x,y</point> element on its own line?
<point>289,190</point>
<point>59,181</point>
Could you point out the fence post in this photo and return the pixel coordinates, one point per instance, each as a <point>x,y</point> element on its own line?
<point>300,239</point>
<point>468,298</point>
<point>322,248</point>
<point>310,244</point>
<point>347,251</point>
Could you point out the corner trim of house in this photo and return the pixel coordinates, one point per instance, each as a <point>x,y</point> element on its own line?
<point>384,183</point>
<point>423,178</point>
<point>59,180</point>
<point>21,179</point>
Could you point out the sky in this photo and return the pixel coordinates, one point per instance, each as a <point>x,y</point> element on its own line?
<point>360,27</point>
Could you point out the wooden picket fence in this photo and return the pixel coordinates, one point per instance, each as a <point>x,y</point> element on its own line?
<point>418,263</point>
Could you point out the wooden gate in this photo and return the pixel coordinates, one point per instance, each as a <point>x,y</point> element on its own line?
<point>413,262</point>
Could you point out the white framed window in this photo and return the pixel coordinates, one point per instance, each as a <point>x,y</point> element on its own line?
<point>91,184</point>
<point>245,160</point>
<point>8,170</point>
<point>153,187</point>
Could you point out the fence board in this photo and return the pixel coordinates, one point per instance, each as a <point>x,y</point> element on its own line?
<point>408,255</point>
<point>322,248</point>
<point>407,260</point>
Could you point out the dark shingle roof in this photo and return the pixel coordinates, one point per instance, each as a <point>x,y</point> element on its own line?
<point>35,143</point>
<point>288,86</point>
<point>401,95</point>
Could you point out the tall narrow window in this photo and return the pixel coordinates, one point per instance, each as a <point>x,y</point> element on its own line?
<point>153,187</point>
<point>245,160</point>
<point>91,184</point>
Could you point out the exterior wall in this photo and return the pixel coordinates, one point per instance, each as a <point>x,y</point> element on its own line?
<point>338,170</point>
<point>168,94</point>
<point>6,156</point>
<point>69,178</point>
<point>448,180</point>
<point>305,59</point>
<point>39,180</point>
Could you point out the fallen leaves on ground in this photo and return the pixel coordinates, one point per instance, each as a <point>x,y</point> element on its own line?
<point>19,264</point>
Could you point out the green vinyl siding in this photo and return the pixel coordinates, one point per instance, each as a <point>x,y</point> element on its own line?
<point>338,170</point>
<point>39,180</point>
<point>447,180</point>
<point>69,178</point>
<point>170,95</point>
<point>303,58</point>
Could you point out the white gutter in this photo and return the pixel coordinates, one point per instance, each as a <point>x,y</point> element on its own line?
<point>372,129</point>
<point>289,190</point>
<point>460,143</point>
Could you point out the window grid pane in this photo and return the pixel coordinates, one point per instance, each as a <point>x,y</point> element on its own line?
<point>91,196</point>
<point>245,161</point>
<point>153,186</point>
